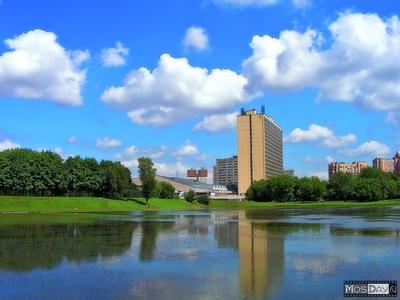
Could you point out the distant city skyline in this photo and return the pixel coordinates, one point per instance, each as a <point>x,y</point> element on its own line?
<point>166,79</point>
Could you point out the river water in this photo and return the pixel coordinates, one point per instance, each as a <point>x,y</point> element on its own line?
<point>279,253</point>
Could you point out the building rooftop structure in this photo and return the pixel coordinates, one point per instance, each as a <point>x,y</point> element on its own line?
<point>183,185</point>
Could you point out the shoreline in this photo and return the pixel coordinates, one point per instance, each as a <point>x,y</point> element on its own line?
<point>42,205</point>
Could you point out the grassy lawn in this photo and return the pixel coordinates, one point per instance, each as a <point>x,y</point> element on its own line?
<point>10,204</point>
<point>87,204</point>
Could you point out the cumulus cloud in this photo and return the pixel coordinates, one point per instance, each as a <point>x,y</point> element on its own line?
<point>371,148</point>
<point>8,144</point>
<point>187,149</point>
<point>361,64</point>
<point>243,3</point>
<point>38,67</point>
<point>107,143</point>
<point>195,38</point>
<point>216,123</point>
<point>129,158</point>
<point>323,135</point>
<point>114,57</point>
<point>171,169</point>
<point>175,91</point>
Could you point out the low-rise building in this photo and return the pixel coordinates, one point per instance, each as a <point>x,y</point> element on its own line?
<point>183,185</point>
<point>197,175</point>
<point>353,168</point>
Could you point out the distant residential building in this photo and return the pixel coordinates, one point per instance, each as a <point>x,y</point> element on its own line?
<point>396,163</point>
<point>383,164</point>
<point>353,168</point>
<point>260,147</point>
<point>226,171</point>
<point>289,172</point>
<point>197,175</point>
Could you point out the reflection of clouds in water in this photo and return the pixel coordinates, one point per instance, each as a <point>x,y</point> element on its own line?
<point>109,261</point>
<point>188,255</point>
<point>317,264</point>
<point>152,288</point>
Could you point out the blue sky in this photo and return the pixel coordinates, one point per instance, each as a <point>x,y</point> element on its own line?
<point>121,79</point>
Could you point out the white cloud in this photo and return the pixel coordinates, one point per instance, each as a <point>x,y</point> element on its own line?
<point>114,57</point>
<point>171,169</point>
<point>359,65</point>
<point>371,148</point>
<point>7,144</point>
<point>393,118</point>
<point>187,149</point>
<point>175,91</point>
<point>329,159</point>
<point>73,140</point>
<point>323,135</point>
<point>301,3</point>
<point>196,38</point>
<point>37,67</point>
<point>106,143</point>
<point>243,3</point>
<point>216,123</point>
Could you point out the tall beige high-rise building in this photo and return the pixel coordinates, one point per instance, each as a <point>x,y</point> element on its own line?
<point>396,162</point>
<point>259,148</point>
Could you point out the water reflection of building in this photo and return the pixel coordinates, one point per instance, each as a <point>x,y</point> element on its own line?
<point>261,257</point>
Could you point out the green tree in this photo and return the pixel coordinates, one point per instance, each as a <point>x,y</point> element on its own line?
<point>147,175</point>
<point>341,186</point>
<point>165,190</point>
<point>190,196</point>
<point>310,189</point>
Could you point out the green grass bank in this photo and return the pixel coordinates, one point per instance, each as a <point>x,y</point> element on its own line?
<point>11,204</point>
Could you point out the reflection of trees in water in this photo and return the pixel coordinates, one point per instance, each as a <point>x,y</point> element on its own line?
<point>343,231</point>
<point>150,232</point>
<point>27,247</point>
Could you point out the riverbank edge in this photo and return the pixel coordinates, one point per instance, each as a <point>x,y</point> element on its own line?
<point>21,204</point>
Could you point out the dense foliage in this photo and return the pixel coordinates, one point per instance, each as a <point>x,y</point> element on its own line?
<point>164,190</point>
<point>26,172</point>
<point>370,185</point>
<point>190,196</point>
<point>147,175</point>
<point>203,199</point>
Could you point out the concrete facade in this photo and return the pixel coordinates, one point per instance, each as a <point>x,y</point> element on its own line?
<point>353,168</point>
<point>383,164</point>
<point>259,148</point>
<point>396,163</point>
<point>226,171</point>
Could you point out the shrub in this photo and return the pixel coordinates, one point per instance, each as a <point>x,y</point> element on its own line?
<point>203,199</point>
<point>190,196</point>
<point>165,190</point>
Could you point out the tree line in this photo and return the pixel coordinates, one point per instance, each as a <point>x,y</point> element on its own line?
<point>25,172</point>
<point>370,185</point>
